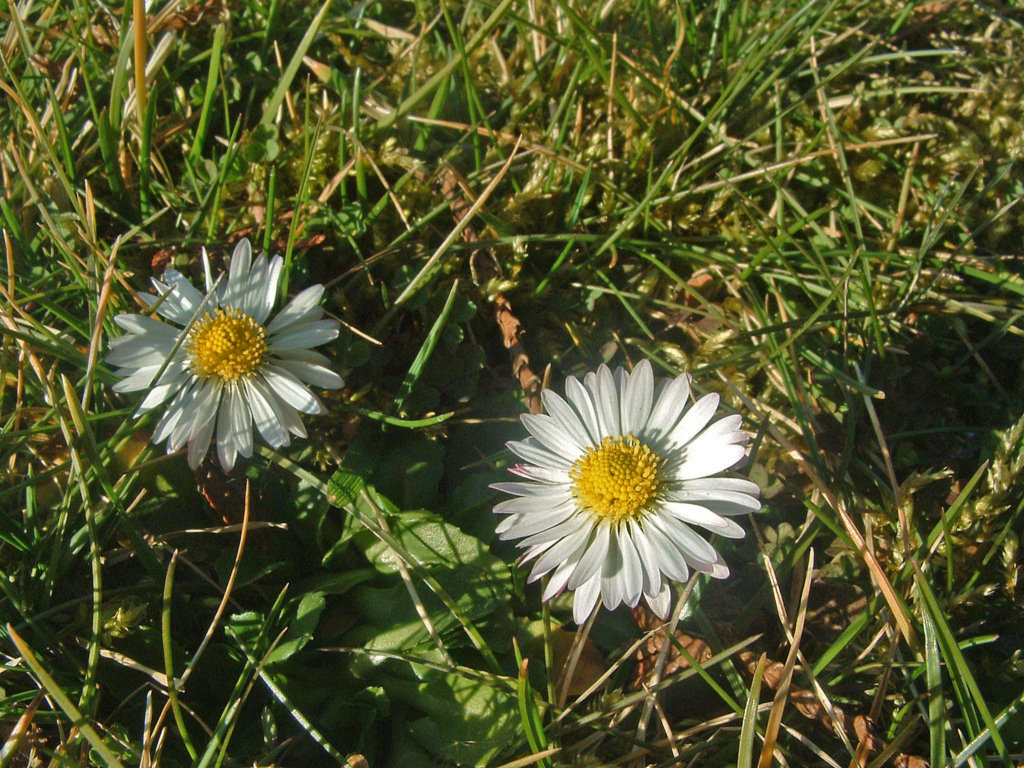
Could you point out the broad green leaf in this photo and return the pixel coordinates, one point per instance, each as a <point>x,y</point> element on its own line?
<point>434,543</point>
<point>301,628</point>
<point>465,722</point>
<point>476,581</point>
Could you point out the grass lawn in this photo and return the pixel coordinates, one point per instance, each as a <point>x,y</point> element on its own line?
<point>813,209</point>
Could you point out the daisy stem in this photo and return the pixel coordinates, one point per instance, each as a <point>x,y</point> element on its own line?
<point>549,660</point>
<point>659,666</point>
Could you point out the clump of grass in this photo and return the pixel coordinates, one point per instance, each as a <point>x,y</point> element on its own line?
<point>814,208</point>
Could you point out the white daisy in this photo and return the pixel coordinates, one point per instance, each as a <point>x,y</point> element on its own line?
<point>221,364</point>
<point>617,478</point>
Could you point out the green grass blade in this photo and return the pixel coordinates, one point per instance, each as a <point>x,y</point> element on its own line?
<point>748,730</point>
<point>63,702</point>
<point>972,704</point>
<point>426,350</point>
<point>277,98</point>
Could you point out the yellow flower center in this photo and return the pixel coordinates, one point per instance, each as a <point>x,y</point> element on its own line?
<point>226,344</point>
<point>616,480</point>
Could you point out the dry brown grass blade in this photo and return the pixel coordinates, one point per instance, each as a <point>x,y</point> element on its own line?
<point>139,25</point>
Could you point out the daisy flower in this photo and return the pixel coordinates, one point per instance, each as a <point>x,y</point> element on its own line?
<point>218,365</point>
<point>618,475</point>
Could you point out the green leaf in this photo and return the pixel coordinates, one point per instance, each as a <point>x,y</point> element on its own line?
<point>466,722</point>
<point>301,628</point>
<point>410,470</point>
<point>343,488</point>
<point>433,542</point>
<point>463,567</point>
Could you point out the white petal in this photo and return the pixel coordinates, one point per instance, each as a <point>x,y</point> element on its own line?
<point>695,514</point>
<point>526,505</point>
<point>233,294</point>
<point>290,418</point>
<point>670,560</point>
<point>144,325</point>
<point>648,557</point>
<point>207,270</point>
<point>731,508</point>
<point>139,351</point>
<point>553,436</point>
<point>737,484</point>
<point>267,298</point>
<point>593,557</point>
<point>722,428</point>
<point>719,570</point>
<point>632,571</point>
<point>547,490</point>
<point>136,380</point>
<point>290,389</point>
<point>613,589</point>
<point>698,550</point>
<point>241,420</point>
<point>669,404</point>
<point>548,528</point>
<point>566,418</point>
<point>585,599</point>
<point>205,407</point>
<point>198,406</point>
<point>265,416</point>
<point>185,300</point>
<point>660,602</point>
<point>606,398</point>
<point>227,451</point>
<point>169,384</point>
<point>687,492</point>
<point>199,442</point>
<point>567,548</point>
<point>297,309</point>
<point>186,408</point>
<point>720,502</point>
<point>621,577</point>
<point>532,451</point>
<point>557,580</point>
<point>308,356</point>
<point>694,420</point>
<point>540,474</point>
<point>253,286</point>
<point>708,462</point>
<point>172,414</point>
<point>580,397</point>
<point>316,375</point>
<point>637,396</point>
<point>530,523</point>
<point>253,299</point>
<point>304,336</point>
